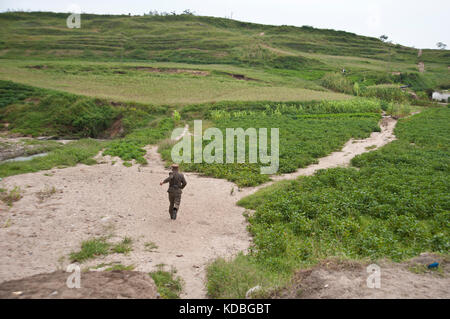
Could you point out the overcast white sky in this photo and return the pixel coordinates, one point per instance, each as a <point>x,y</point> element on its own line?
<point>414,23</point>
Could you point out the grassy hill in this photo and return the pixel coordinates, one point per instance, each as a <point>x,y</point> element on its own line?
<point>240,61</point>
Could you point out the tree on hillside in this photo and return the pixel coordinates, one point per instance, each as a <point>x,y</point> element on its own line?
<point>384,38</point>
<point>441,45</point>
<point>188,12</point>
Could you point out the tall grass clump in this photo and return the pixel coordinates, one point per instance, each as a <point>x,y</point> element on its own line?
<point>391,94</point>
<point>337,82</point>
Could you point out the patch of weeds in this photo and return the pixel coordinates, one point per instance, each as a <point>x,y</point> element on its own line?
<point>418,269</point>
<point>100,247</point>
<point>168,286</point>
<point>423,269</point>
<point>232,279</point>
<point>90,249</point>
<point>127,164</point>
<point>9,197</point>
<point>124,247</point>
<point>371,147</point>
<point>150,246</point>
<point>47,192</point>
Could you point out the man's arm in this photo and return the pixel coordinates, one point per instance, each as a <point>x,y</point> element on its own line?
<point>183,182</point>
<point>167,179</point>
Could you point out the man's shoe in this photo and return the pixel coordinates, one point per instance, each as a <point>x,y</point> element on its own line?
<point>174,213</point>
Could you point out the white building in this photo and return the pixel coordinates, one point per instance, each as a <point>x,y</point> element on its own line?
<point>437,96</point>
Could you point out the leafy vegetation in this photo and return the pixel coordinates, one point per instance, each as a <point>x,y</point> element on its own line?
<point>307,132</point>
<point>11,93</point>
<point>395,205</point>
<point>54,113</point>
<point>90,249</point>
<point>10,196</point>
<point>124,247</point>
<point>169,286</point>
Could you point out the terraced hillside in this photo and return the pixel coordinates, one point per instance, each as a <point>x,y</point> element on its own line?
<point>183,59</point>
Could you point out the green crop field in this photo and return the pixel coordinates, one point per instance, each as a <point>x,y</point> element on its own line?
<point>395,205</point>
<point>307,131</point>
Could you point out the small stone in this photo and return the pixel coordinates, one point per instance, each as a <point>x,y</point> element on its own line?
<point>17,293</point>
<point>54,293</point>
<point>179,256</point>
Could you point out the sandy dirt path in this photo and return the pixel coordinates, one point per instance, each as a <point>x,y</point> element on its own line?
<point>110,199</point>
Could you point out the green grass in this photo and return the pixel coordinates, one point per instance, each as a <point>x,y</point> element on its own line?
<point>167,88</point>
<point>53,113</point>
<point>38,48</point>
<point>395,206</point>
<point>169,286</point>
<point>231,280</point>
<point>68,155</point>
<point>49,112</point>
<point>124,247</point>
<point>96,247</point>
<point>188,38</point>
<point>90,249</point>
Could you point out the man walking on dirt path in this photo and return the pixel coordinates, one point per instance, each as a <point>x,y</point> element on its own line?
<point>176,182</point>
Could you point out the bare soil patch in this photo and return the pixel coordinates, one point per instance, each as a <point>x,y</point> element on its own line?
<point>241,77</point>
<point>337,279</point>
<point>172,70</point>
<point>94,285</point>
